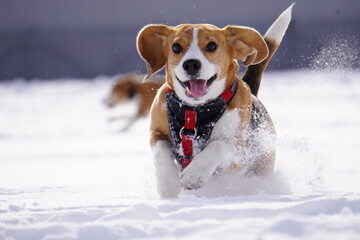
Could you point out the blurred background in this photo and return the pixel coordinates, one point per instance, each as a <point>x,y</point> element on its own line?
<point>68,168</point>
<point>42,39</point>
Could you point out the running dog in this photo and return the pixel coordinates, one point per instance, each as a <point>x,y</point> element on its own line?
<point>127,88</point>
<point>206,119</point>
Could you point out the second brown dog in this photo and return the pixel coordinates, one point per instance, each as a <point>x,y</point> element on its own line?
<point>130,87</point>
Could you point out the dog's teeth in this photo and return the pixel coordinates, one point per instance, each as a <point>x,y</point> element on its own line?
<point>188,90</point>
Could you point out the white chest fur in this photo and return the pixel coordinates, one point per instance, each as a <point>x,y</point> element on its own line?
<point>227,126</point>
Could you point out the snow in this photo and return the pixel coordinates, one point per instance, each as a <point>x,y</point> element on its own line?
<point>68,173</point>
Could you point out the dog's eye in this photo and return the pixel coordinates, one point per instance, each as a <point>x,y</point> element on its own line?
<point>211,47</point>
<point>177,48</point>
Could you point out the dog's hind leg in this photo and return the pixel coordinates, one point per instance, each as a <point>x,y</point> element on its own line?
<point>261,140</point>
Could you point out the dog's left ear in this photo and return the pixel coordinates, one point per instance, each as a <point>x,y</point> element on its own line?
<point>151,45</point>
<point>248,45</point>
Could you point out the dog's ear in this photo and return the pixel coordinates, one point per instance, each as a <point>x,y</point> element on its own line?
<point>151,45</point>
<point>247,44</point>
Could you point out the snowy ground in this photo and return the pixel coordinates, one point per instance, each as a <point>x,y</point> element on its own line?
<point>66,173</point>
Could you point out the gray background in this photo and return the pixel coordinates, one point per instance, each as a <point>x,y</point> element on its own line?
<point>85,38</point>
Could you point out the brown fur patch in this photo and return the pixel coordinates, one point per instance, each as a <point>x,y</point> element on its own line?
<point>159,125</point>
<point>147,91</point>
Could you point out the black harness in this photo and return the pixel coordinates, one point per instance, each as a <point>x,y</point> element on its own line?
<point>189,124</point>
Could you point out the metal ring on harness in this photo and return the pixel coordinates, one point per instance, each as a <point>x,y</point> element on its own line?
<point>182,129</point>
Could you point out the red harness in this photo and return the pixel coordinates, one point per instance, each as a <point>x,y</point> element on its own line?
<point>188,132</point>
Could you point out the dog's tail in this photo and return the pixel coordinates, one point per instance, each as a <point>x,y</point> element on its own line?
<point>273,38</point>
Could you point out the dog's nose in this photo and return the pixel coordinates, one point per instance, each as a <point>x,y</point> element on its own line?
<point>192,66</point>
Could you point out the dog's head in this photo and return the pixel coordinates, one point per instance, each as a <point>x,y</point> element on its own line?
<point>124,89</point>
<point>200,59</point>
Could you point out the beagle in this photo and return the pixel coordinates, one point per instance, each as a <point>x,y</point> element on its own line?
<point>205,119</point>
<point>128,87</point>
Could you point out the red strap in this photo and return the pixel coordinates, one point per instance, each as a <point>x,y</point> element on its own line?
<point>187,144</point>
<point>187,140</point>
<point>190,119</point>
<point>168,89</point>
<point>185,162</point>
<point>229,92</point>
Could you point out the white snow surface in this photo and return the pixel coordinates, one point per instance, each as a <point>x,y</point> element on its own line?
<point>67,173</point>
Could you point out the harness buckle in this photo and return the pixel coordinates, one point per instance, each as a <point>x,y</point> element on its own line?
<point>182,129</point>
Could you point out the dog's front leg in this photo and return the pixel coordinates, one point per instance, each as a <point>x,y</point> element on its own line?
<point>218,154</point>
<point>167,174</point>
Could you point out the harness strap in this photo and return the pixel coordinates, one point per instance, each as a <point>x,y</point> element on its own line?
<point>229,93</point>
<point>188,132</point>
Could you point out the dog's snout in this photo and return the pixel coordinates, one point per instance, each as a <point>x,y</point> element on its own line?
<point>192,66</point>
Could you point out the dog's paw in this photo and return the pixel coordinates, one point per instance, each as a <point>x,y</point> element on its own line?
<point>197,174</point>
<point>168,182</point>
<point>168,189</point>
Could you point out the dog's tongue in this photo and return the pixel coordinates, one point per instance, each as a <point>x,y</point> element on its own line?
<point>197,88</point>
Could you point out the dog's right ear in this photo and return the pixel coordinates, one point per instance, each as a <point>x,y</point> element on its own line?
<point>247,44</point>
<point>151,45</point>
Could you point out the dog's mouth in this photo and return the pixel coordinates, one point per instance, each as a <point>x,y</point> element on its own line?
<point>197,87</point>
